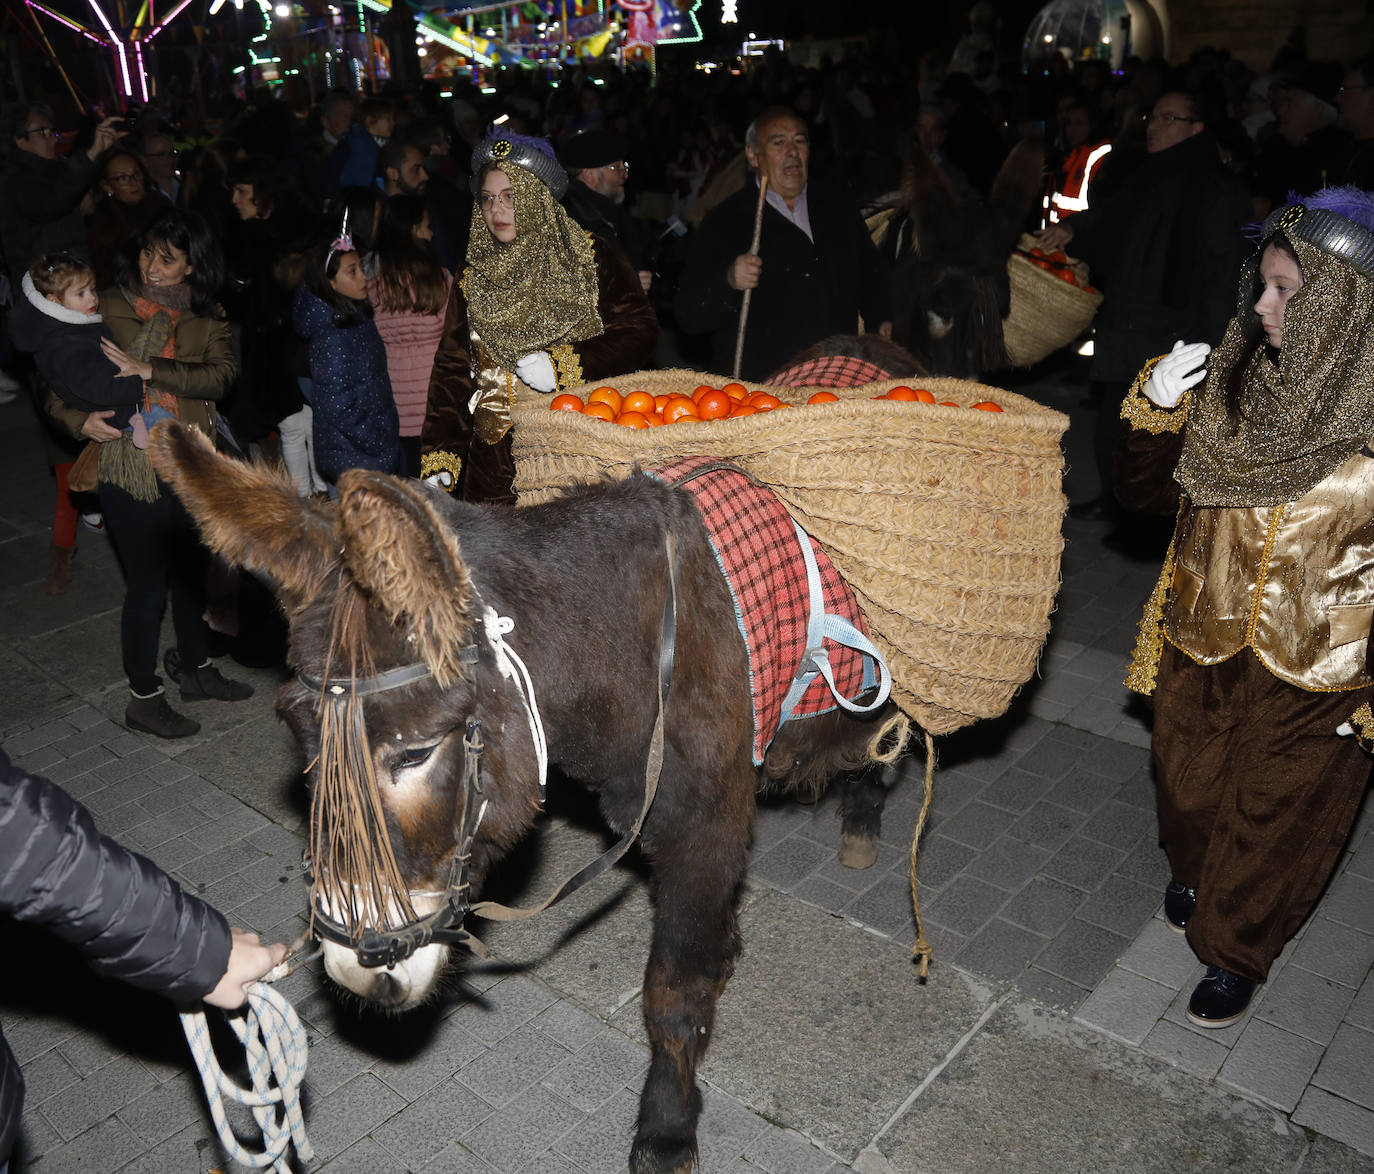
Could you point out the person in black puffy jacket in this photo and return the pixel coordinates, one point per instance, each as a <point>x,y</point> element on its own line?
<point>118,908</point>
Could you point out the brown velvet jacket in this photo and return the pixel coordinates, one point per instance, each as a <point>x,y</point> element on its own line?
<point>627,343</point>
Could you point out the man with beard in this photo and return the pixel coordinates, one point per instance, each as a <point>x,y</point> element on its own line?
<point>816,270</point>
<point>597,171</point>
<point>401,168</point>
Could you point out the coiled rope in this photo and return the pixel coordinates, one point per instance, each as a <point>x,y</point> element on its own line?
<point>276,1046</point>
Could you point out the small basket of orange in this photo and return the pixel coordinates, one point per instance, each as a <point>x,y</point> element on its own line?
<point>1052,302</point>
<point>941,504</point>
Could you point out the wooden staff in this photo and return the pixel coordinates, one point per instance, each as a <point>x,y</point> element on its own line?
<point>744,306</point>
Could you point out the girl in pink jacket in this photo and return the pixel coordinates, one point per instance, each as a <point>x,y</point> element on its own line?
<point>408,295</point>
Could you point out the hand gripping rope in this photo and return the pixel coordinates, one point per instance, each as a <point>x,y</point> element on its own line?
<point>276,1045</point>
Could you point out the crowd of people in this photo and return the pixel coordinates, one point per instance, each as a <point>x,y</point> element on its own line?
<point>379,281</point>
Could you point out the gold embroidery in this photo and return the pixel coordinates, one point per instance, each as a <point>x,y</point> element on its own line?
<point>1149,644</point>
<point>441,462</point>
<point>1362,722</point>
<point>569,366</point>
<point>1140,413</point>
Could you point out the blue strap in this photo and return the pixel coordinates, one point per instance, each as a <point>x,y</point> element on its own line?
<point>821,626</point>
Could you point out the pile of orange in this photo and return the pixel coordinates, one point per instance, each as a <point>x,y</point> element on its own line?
<point>639,409</point>
<point>1056,263</point>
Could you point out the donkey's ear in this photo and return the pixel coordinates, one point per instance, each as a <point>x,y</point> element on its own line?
<point>399,548</point>
<point>249,513</point>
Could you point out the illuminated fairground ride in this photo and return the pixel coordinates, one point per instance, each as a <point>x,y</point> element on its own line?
<point>319,44</point>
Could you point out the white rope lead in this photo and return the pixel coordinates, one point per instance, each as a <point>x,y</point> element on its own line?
<point>513,668</point>
<point>276,1045</point>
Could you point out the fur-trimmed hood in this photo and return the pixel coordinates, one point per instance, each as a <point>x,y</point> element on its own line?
<point>45,305</point>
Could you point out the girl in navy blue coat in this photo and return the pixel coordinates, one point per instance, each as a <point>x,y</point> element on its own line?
<point>355,423</point>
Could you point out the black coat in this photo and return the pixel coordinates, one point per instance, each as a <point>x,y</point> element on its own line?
<point>603,216</point>
<point>40,207</point>
<point>118,908</point>
<point>807,290</point>
<point>1166,251</point>
<point>69,357</point>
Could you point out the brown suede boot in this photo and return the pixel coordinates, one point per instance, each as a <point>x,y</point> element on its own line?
<point>59,570</point>
<point>152,715</point>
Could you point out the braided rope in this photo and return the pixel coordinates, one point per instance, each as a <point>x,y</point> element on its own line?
<point>276,1046</point>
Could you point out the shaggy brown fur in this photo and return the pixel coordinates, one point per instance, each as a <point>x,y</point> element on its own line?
<point>401,571</point>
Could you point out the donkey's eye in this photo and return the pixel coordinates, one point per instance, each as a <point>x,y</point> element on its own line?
<point>415,756</point>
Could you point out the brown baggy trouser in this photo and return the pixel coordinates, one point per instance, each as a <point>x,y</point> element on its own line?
<point>1256,795</point>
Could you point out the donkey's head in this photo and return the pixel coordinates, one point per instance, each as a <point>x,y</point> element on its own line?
<point>383,616</point>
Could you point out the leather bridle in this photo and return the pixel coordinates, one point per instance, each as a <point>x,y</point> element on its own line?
<point>386,947</point>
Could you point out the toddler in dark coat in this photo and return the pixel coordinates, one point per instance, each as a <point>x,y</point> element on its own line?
<point>58,319</point>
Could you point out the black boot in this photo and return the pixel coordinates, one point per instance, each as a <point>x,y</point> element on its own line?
<point>152,715</point>
<point>1179,901</point>
<point>1220,998</point>
<point>205,682</point>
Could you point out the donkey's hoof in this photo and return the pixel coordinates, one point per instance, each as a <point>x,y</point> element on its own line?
<point>858,851</point>
<point>648,1158</point>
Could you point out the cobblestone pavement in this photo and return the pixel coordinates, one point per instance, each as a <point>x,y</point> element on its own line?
<point>1050,1036</point>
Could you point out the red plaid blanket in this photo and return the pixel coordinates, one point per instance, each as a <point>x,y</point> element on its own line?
<point>756,546</point>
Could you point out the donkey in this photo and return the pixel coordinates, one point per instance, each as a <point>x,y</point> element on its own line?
<point>400,601</point>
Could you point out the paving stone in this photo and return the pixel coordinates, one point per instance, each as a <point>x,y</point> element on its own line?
<point>64,772</point>
<point>822,893</point>
<point>966,904</point>
<point>790,861</point>
<point>571,1025</point>
<point>1047,825</point>
<point>46,734</point>
<point>1082,863</point>
<point>165,1109</point>
<point>511,1065</point>
<point>1190,1050</point>
<point>1119,824</point>
<point>1044,905</point>
<point>601,1140</point>
<point>1082,953</point>
<point>1335,951</point>
<point>1050,990</point>
<point>1015,790</point>
<point>31,1035</point>
<point>48,1075</point>
<point>1162,955</point>
<point>1306,1004</point>
<point>334,1061</point>
<point>977,824</point>
<point>1271,1064</point>
<point>1347,1068</point>
<point>342,1117</point>
<point>447,1049</point>
<point>432,1122</point>
<point>783,1151</point>
<point>106,1146</point>
<point>1054,756</point>
<point>507,1005</point>
<point>365,1157</point>
<point>527,1126</point>
<point>1120,904</point>
<point>595,1073</point>
<point>1361,1010</point>
<point>726,1128</point>
<point>1336,1117</point>
<point>1350,901</point>
<point>940,859</point>
<point>1008,863</point>
<point>1000,950</point>
<point>886,906</point>
<point>1126,1006</point>
<point>36,1136</point>
<point>1081,791</point>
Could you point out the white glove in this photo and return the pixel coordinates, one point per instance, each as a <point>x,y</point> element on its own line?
<point>536,370</point>
<point>443,479</point>
<point>1176,372</point>
<point>1345,729</point>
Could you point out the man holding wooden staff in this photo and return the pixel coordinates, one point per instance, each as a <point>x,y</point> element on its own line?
<point>800,250</point>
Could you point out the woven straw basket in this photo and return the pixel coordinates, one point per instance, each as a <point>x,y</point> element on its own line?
<point>1047,312</point>
<point>945,522</point>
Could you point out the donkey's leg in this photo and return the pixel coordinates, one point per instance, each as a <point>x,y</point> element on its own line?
<point>861,813</point>
<point>697,870</point>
